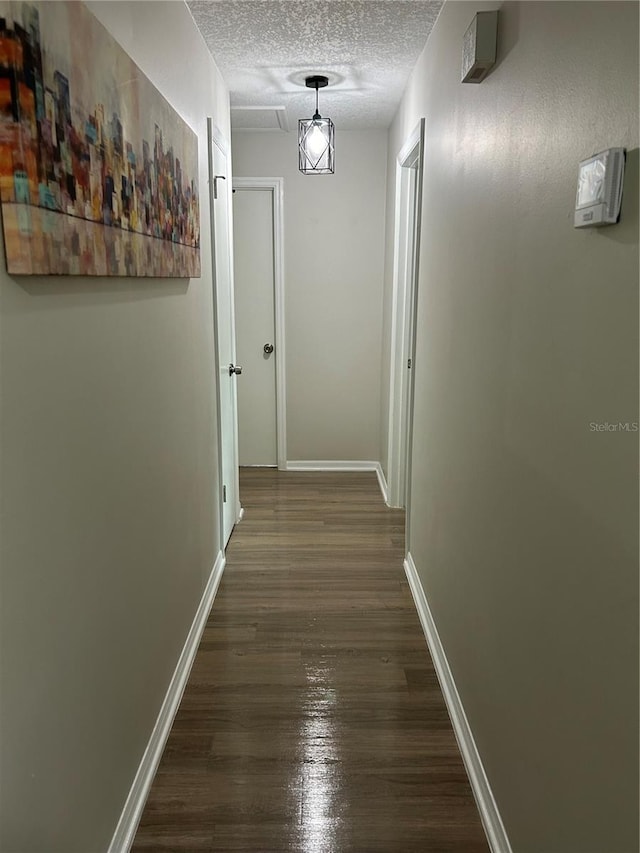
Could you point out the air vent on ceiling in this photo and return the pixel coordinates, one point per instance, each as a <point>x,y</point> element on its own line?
<point>259,118</point>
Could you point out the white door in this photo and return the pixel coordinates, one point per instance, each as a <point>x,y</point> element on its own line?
<point>405,294</point>
<point>253,234</point>
<point>411,293</point>
<point>220,191</point>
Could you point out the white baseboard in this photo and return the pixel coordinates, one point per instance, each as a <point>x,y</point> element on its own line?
<point>341,465</point>
<point>134,805</point>
<point>491,820</point>
<point>382,482</point>
<point>331,465</point>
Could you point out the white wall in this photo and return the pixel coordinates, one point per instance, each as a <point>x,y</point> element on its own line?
<point>334,255</point>
<point>524,521</point>
<point>109,512</point>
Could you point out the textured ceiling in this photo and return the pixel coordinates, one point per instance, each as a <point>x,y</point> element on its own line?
<point>367,48</point>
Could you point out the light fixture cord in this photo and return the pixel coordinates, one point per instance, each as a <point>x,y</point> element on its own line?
<point>317,115</point>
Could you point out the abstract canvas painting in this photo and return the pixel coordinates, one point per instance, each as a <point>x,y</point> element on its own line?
<point>98,173</point>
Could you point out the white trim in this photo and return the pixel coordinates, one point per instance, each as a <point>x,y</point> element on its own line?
<point>491,820</point>
<point>218,137</point>
<point>331,465</point>
<point>382,482</point>
<point>276,185</point>
<point>411,142</point>
<point>341,465</point>
<point>281,363</point>
<point>397,368</point>
<point>135,802</point>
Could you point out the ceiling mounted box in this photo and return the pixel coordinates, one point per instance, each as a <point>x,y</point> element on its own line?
<point>479,47</point>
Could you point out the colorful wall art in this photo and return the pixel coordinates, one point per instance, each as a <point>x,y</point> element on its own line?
<point>98,173</point>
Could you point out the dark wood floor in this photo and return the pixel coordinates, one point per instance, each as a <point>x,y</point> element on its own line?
<point>313,720</point>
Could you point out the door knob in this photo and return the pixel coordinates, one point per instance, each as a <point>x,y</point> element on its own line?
<point>233,369</point>
<point>268,348</point>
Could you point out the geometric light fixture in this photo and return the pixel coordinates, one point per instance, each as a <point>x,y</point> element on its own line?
<point>316,148</point>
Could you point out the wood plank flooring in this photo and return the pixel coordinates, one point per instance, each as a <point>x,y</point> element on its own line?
<point>312,720</point>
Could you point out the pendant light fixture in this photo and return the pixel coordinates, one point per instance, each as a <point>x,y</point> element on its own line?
<point>316,137</point>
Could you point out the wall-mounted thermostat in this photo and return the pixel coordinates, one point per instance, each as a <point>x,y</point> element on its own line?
<point>479,47</point>
<point>599,193</point>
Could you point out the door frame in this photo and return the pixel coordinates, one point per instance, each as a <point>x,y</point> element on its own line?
<point>276,187</point>
<point>215,137</point>
<point>408,209</point>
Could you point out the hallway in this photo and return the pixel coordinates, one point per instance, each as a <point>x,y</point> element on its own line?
<point>312,720</point>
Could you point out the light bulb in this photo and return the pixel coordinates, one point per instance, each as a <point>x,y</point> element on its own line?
<point>316,142</point>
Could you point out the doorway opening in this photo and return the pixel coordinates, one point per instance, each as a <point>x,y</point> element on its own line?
<point>259,315</point>
<point>405,294</point>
